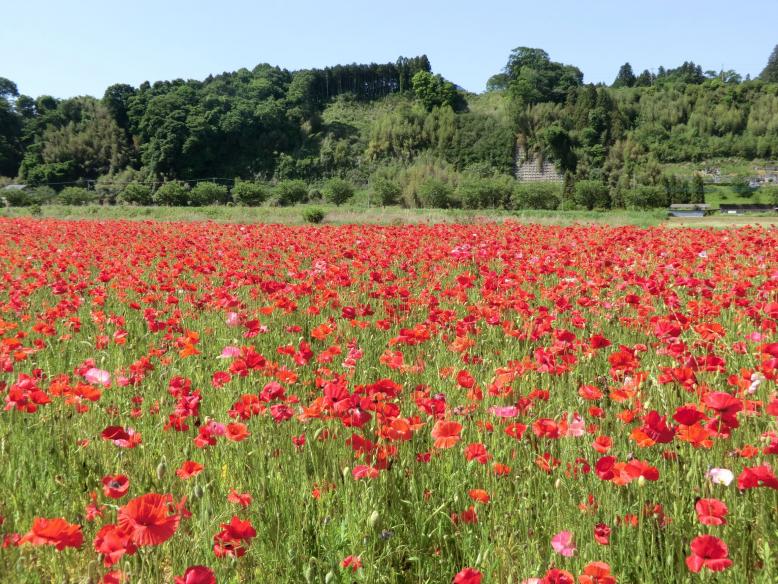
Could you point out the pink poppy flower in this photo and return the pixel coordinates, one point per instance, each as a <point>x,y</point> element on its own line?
<point>563,544</point>
<point>98,377</point>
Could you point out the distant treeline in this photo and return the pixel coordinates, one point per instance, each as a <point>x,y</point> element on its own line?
<point>393,121</point>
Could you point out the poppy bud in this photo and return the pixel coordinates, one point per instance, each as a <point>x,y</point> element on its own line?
<point>330,577</point>
<point>345,471</point>
<point>641,481</point>
<point>308,573</point>
<point>557,483</point>
<point>374,520</point>
<point>161,470</point>
<point>198,492</point>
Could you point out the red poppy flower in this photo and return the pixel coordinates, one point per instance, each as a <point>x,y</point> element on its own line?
<point>711,511</point>
<point>602,444</point>
<point>604,467</point>
<point>149,519</point>
<point>708,552</point>
<point>115,486</point>
<point>468,576</point>
<point>558,576</point>
<point>56,532</point>
<point>602,534</point>
<point>479,495</point>
<point>189,469</point>
<point>515,430</point>
<point>242,499</point>
<point>234,538</point>
<point>113,543</point>
<point>465,380</point>
<point>757,476</point>
<point>478,453</point>
<point>467,516</point>
<point>197,575</point>
<point>353,562</point>
<point>363,471</point>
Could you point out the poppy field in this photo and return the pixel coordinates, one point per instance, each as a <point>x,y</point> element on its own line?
<point>200,402</point>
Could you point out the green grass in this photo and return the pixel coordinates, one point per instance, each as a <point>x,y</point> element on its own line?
<point>340,215</point>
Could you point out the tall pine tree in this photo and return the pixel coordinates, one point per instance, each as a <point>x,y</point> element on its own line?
<point>770,73</point>
<point>626,76</point>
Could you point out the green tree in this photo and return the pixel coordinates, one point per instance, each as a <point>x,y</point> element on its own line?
<point>338,191</point>
<point>698,189</point>
<point>556,143</point>
<point>591,194</point>
<point>534,78</point>
<point>10,129</point>
<point>770,72</point>
<point>116,100</point>
<point>82,138</point>
<point>434,91</point>
<point>645,79</point>
<point>626,77</point>
<point>386,191</point>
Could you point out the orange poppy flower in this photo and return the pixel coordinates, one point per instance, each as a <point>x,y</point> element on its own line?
<point>446,433</point>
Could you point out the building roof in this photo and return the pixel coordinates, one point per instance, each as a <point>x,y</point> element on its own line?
<point>689,206</point>
<point>14,187</point>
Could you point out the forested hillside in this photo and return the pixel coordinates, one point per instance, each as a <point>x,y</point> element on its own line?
<point>410,135</point>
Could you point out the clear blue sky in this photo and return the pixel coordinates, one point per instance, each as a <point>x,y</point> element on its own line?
<point>75,48</point>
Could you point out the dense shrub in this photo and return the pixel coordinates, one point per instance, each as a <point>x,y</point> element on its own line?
<point>476,192</point>
<point>645,197</point>
<point>741,185</point>
<point>76,196</point>
<point>434,193</point>
<point>172,194</point>
<point>249,194</point>
<point>338,191</point>
<point>591,194</point>
<point>42,195</point>
<point>207,193</point>
<point>136,194</point>
<point>769,194</point>
<point>313,215</point>
<point>386,191</point>
<point>290,192</point>
<point>536,195</point>
<point>17,198</point>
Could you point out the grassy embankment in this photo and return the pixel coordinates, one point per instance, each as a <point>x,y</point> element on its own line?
<point>339,215</point>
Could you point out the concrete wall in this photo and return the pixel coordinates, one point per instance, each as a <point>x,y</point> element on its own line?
<point>528,169</point>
